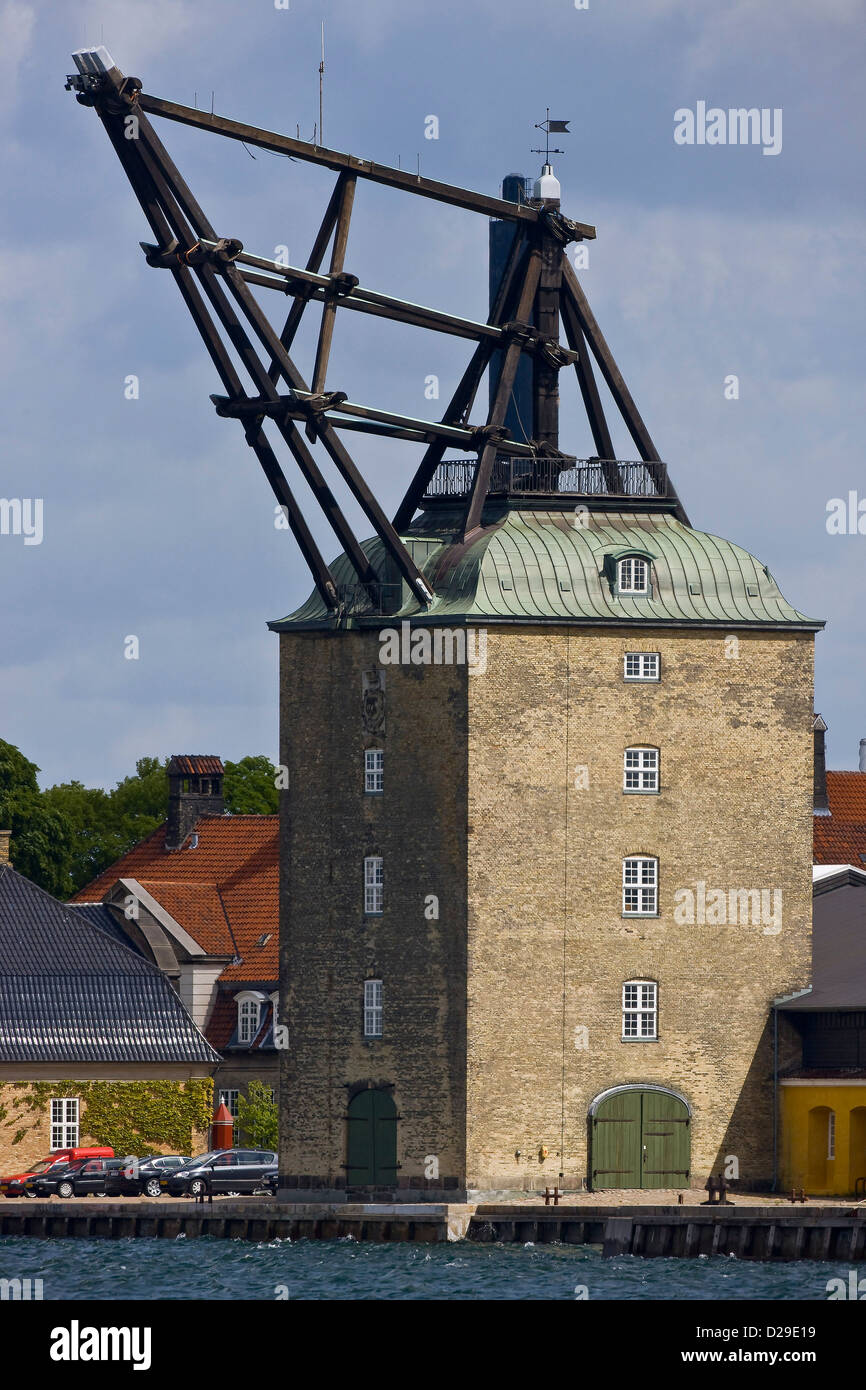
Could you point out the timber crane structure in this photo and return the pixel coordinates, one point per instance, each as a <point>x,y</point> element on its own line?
<point>264,389</point>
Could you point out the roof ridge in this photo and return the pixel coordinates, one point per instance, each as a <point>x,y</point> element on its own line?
<point>121,858</point>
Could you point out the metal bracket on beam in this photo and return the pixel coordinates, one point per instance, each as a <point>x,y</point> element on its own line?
<point>562,228</point>
<point>341,283</point>
<point>531,340</point>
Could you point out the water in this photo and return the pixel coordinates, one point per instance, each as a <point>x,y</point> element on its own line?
<point>348,1269</point>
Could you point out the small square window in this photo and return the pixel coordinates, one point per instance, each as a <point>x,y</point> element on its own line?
<point>642,666</point>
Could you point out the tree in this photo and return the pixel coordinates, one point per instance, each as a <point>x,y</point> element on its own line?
<point>258,1116</point>
<point>250,787</point>
<point>42,841</point>
<point>66,836</point>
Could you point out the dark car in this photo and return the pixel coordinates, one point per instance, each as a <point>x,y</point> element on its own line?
<point>226,1171</point>
<point>84,1178</point>
<point>146,1175</point>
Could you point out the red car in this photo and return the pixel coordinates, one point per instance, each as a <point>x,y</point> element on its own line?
<point>14,1186</point>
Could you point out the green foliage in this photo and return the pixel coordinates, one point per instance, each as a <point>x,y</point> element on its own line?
<point>66,836</point>
<point>42,843</point>
<point>133,1116</point>
<point>249,787</point>
<point>258,1116</point>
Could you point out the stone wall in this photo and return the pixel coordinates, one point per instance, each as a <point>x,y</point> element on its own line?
<point>503,797</point>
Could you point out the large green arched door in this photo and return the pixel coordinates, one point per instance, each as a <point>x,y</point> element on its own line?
<point>640,1138</point>
<point>372,1139</point>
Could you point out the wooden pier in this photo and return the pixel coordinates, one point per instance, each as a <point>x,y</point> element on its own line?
<point>748,1232</point>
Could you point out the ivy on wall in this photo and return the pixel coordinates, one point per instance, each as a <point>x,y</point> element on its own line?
<point>129,1116</point>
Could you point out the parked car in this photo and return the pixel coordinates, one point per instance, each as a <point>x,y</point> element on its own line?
<point>224,1170</point>
<point>148,1175</point>
<point>14,1186</point>
<point>84,1178</point>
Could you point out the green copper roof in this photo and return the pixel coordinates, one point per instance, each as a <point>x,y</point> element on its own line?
<point>535,565</point>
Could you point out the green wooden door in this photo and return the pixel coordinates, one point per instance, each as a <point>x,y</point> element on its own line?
<point>640,1139</point>
<point>616,1141</point>
<point>372,1139</point>
<point>665,1140</point>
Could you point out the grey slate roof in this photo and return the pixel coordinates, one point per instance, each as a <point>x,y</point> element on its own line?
<point>98,915</point>
<point>70,992</point>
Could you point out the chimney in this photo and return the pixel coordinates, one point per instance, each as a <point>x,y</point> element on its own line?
<point>4,847</point>
<point>820,802</point>
<point>863,755</point>
<point>195,789</point>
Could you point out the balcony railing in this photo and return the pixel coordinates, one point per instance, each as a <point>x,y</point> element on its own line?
<point>522,477</point>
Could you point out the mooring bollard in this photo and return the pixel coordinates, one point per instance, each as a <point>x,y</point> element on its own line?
<point>717,1188</point>
<point>795,1197</point>
<point>553,1196</point>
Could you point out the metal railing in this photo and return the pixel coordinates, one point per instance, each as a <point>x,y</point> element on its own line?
<point>524,477</point>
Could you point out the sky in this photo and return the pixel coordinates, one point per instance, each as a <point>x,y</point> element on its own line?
<point>712,261</point>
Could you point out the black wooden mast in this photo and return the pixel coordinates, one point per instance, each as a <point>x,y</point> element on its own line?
<point>214,275</point>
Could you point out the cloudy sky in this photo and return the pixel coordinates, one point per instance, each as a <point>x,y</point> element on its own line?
<point>710,261</point>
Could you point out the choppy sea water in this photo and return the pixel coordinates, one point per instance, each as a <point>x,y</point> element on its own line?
<point>207,1268</point>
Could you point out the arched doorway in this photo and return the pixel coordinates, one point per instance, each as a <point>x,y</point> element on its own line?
<point>821,1146</point>
<point>640,1136</point>
<point>372,1139</point>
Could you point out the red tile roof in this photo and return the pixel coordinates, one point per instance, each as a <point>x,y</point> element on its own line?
<point>840,838</point>
<point>225,892</point>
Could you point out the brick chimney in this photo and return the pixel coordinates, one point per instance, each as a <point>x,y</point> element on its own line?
<point>820,801</point>
<point>4,846</point>
<point>195,789</point>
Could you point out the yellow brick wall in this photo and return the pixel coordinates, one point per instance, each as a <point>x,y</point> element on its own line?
<point>548,946</point>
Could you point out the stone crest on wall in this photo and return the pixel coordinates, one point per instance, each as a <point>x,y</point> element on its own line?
<point>373,700</point>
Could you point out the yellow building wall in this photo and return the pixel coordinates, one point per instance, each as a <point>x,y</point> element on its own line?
<point>804,1136</point>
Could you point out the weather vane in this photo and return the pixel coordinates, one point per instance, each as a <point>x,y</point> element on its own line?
<point>550,128</point>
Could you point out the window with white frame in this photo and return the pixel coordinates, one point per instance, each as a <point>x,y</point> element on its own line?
<point>831,1134</point>
<point>249,1016</point>
<point>640,1009</point>
<point>640,770</point>
<point>64,1124</point>
<point>374,885</point>
<point>374,770</point>
<point>632,575</point>
<point>641,666</point>
<point>640,878</point>
<point>372,1008</point>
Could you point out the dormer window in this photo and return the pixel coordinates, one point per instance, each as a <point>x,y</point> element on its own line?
<point>632,575</point>
<point>249,1015</point>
